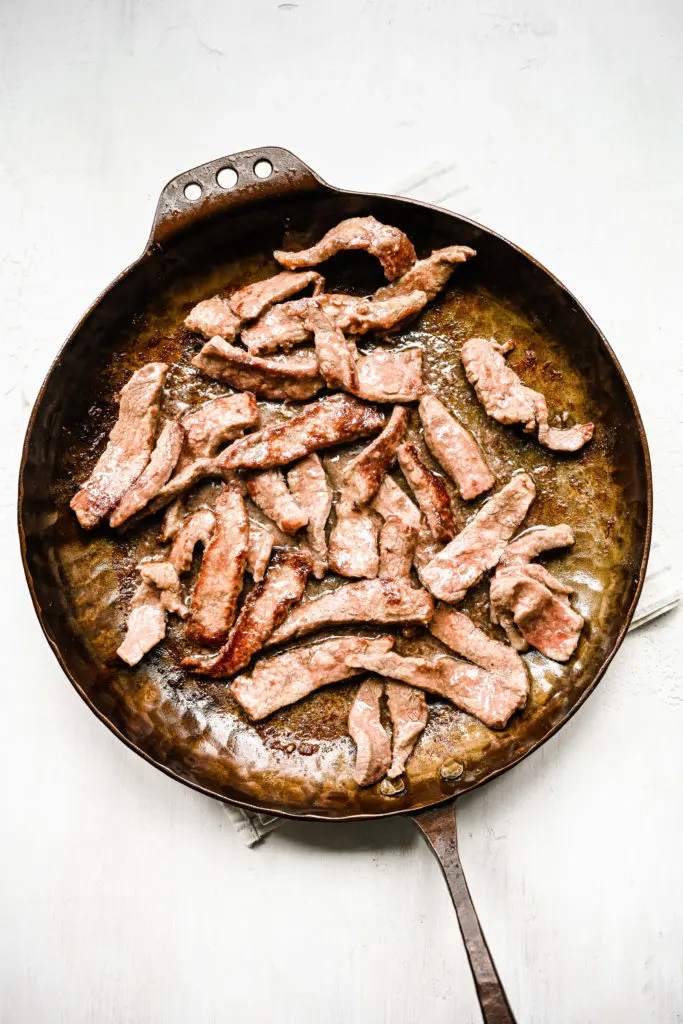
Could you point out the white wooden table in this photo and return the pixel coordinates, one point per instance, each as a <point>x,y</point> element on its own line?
<point>125,897</point>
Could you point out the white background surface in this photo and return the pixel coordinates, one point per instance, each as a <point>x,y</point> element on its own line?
<point>125,897</point>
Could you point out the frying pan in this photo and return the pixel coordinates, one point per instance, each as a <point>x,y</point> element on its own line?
<point>297,763</point>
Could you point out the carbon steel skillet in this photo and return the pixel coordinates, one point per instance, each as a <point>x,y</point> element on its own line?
<point>298,762</point>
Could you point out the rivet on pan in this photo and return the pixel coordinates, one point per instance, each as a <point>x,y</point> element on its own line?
<point>451,770</point>
<point>392,787</point>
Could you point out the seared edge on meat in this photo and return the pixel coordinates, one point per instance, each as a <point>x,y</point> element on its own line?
<point>397,541</point>
<point>268,489</point>
<point>373,747</point>
<point>454,448</point>
<point>408,712</point>
<point>387,376</point>
<point>429,275</point>
<point>295,377</point>
<point>307,480</point>
<point>249,302</point>
<point>153,477</point>
<point>429,490</point>
<point>392,248</point>
<point>213,318</point>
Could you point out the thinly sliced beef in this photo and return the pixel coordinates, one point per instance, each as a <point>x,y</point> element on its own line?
<point>186,479</point>
<point>261,542</point>
<point>397,542</point>
<point>294,377</point>
<point>486,695</point>
<point>173,520</point>
<point>427,546</point>
<point>153,477</point>
<point>253,300</point>
<point>308,483</point>
<point>128,449</point>
<point>338,419</point>
<point>507,400</point>
<point>268,489</point>
<point>146,625</point>
<point>391,500</point>
<point>197,528</point>
<point>454,449</point>
<point>353,543</point>
<point>430,491</point>
<point>213,318</point>
<point>387,376</point>
<point>364,474</point>
<point>429,275</point>
<point>392,248</point>
<point>374,601</point>
<point>373,747</point>
<point>336,354</point>
<point>281,327</point>
<point>408,712</point>
<point>478,547</point>
<point>288,677</point>
<point>164,576</point>
<point>212,425</point>
<point>219,584</point>
<point>263,610</point>
<point>534,542</point>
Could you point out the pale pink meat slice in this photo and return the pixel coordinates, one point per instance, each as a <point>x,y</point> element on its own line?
<point>173,520</point>
<point>430,492</point>
<point>391,500</point>
<point>197,528</point>
<point>185,479</point>
<point>128,449</point>
<point>543,617</point>
<point>373,747</point>
<point>390,376</point>
<point>364,474</point>
<point>457,631</point>
<point>219,584</point>
<point>153,477</point>
<point>336,354</point>
<point>381,602</point>
<point>254,299</point>
<point>308,483</point>
<point>212,425</point>
<point>430,275</point>
<point>263,610</point>
<point>261,543</point>
<point>353,543</point>
<point>392,248</point>
<point>507,400</point>
<point>146,625</point>
<point>408,712</point>
<point>268,489</point>
<point>213,318</point>
<point>427,546</point>
<point>397,541</point>
<point>295,377</point>
<point>286,678</point>
<point>162,573</point>
<point>478,547</point>
<point>534,542</point>
<point>454,448</point>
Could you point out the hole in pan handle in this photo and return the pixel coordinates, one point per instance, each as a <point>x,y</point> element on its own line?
<point>229,182</point>
<point>439,829</point>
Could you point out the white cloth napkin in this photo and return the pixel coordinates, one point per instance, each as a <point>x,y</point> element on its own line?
<point>442,184</point>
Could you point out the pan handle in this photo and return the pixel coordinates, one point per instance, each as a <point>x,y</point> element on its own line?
<point>439,828</point>
<point>230,181</point>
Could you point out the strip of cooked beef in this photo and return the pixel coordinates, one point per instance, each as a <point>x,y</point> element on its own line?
<point>353,540</point>
<point>268,489</point>
<point>197,528</point>
<point>387,376</point>
<point>454,448</point>
<point>507,400</point>
<point>373,747</point>
<point>486,695</point>
<point>338,419</point>
<point>308,483</point>
<point>164,576</point>
<point>374,601</point>
<point>397,542</point>
<point>213,318</point>
<point>253,300</point>
<point>391,500</point>
<point>534,541</point>
<point>478,547</point>
<point>128,449</point>
<point>294,377</point>
<point>429,490</point>
<point>186,479</point>
<point>263,610</point>
<point>392,248</point>
<point>146,625</point>
<point>261,543</point>
<point>173,520</point>
<point>429,275</point>
<point>220,420</point>
<point>336,354</point>
<point>285,326</point>
<point>286,678</point>
<point>153,477</point>
<point>427,546</point>
<point>408,712</point>
<point>219,584</point>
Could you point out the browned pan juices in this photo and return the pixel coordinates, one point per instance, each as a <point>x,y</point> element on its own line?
<point>300,759</point>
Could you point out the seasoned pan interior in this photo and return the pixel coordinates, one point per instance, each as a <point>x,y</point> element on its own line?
<point>300,760</point>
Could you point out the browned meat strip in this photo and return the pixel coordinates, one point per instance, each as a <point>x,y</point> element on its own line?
<point>283,326</point>
<point>261,543</point>
<point>397,542</point>
<point>534,542</point>
<point>336,354</point>
<point>218,588</point>
<point>308,483</point>
<point>288,677</point>
<point>427,546</point>
<point>488,696</point>
<point>507,400</point>
<point>386,376</point>
<point>185,479</point>
<point>364,474</point>
<point>429,275</point>
<point>128,449</point>
<point>373,748</point>
<point>249,302</point>
<point>353,543</point>
<point>263,610</point>
<point>196,529</point>
<point>335,420</point>
<point>268,489</point>
<point>408,711</point>
<point>392,248</point>
<point>165,578</point>
<point>478,547</point>
<point>430,492</point>
<point>295,377</point>
<point>223,419</point>
<point>213,318</point>
<point>374,601</point>
<point>454,448</point>
<point>390,500</point>
<point>153,477</point>
<point>146,625</point>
